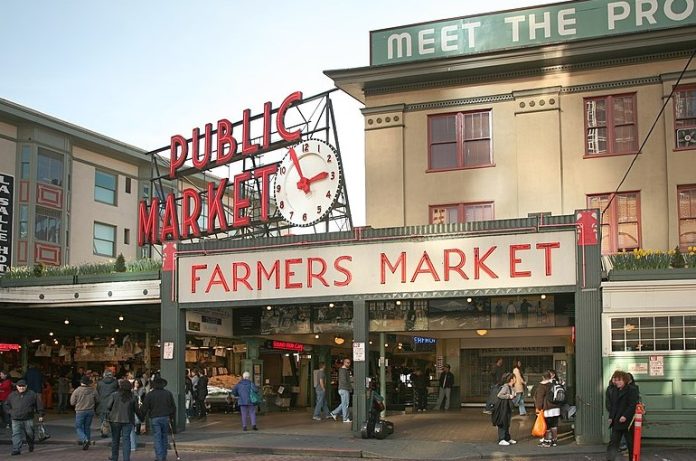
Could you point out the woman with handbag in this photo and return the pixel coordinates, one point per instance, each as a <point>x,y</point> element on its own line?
<point>247,398</point>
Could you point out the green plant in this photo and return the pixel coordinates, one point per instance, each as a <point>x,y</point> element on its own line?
<point>38,269</point>
<point>640,259</point>
<point>677,259</point>
<point>120,264</point>
<point>144,265</point>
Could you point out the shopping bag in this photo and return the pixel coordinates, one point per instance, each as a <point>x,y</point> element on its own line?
<point>41,433</point>
<point>105,428</point>
<point>254,397</point>
<point>539,428</point>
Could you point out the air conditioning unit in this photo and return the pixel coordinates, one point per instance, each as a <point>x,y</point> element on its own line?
<point>686,138</point>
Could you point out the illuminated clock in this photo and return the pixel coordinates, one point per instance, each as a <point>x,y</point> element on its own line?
<point>308,182</point>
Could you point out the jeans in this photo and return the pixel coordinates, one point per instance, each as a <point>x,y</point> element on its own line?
<point>62,402</point>
<point>248,412</point>
<point>504,432</point>
<point>20,427</point>
<point>134,437</point>
<point>442,395</point>
<point>615,441</point>
<point>343,406</point>
<point>519,401</point>
<point>160,430</point>
<point>321,405</point>
<point>83,424</point>
<point>120,438</point>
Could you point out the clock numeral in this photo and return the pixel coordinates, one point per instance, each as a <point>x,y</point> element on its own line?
<point>333,175</point>
<point>329,158</point>
<point>277,187</point>
<point>318,209</point>
<point>305,147</point>
<point>291,214</point>
<point>283,169</point>
<point>328,194</point>
<point>281,205</point>
<point>304,216</point>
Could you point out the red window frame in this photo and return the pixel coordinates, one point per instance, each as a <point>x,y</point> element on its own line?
<point>682,121</point>
<point>686,210</point>
<point>461,208</point>
<point>612,221</point>
<point>463,143</point>
<point>611,126</point>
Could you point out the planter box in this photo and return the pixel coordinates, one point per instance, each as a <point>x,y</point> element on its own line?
<point>652,274</point>
<point>117,277</point>
<point>38,281</point>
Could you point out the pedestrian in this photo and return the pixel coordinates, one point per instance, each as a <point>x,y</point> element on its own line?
<point>420,386</point>
<point>188,396</point>
<point>138,394</point>
<point>63,390</point>
<point>321,407</point>
<point>159,405</point>
<point>622,409</point>
<point>243,391</point>
<point>201,394</point>
<point>445,381</point>
<point>520,384</point>
<point>496,375</point>
<point>85,400</point>
<point>543,401</point>
<point>107,386</point>
<point>22,404</point>
<point>345,387</point>
<point>501,415</point>
<point>122,405</point>
<point>5,390</point>
<point>34,379</point>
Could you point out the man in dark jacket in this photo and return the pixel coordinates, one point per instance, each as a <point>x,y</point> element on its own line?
<point>622,408</point>
<point>159,405</point>
<point>445,388</point>
<point>21,405</point>
<point>107,386</point>
<point>201,394</point>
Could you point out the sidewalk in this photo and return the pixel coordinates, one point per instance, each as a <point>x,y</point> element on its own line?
<point>456,435</point>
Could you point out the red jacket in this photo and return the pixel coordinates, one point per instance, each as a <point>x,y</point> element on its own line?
<point>5,389</point>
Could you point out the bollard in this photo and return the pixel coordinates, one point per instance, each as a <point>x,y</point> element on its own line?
<point>638,429</point>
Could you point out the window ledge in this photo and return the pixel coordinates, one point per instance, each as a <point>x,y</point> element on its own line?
<point>463,168</point>
<point>588,156</point>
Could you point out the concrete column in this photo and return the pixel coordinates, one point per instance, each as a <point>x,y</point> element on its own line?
<point>173,324</point>
<point>361,328</point>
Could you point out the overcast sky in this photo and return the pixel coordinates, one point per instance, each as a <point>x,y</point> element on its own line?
<point>142,70</point>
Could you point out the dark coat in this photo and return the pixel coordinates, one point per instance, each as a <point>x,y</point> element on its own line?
<point>105,388</point>
<point>502,411</point>
<point>243,392</point>
<point>622,403</point>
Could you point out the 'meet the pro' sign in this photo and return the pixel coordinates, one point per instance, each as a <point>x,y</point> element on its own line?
<point>379,267</point>
<point>6,204</point>
<point>544,25</point>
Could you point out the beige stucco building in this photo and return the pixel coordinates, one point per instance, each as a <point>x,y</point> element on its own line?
<point>547,128</point>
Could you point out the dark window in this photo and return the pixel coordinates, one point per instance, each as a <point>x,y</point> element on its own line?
<point>461,140</point>
<point>50,167</point>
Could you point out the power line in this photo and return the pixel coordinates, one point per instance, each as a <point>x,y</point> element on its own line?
<point>652,128</point>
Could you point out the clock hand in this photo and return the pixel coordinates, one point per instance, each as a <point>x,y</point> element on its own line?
<point>304,183</point>
<point>296,162</point>
<point>318,177</point>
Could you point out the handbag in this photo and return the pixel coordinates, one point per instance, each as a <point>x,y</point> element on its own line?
<point>105,428</point>
<point>539,428</point>
<point>254,397</point>
<point>41,433</point>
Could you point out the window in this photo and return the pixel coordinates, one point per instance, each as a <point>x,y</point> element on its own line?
<point>685,117</point>
<point>23,221</point>
<point>50,167</point>
<point>610,125</point>
<point>126,236</point>
<point>620,222</point>
<point>461,140</point>
<point>687,216</point>
<point>461,213</point>
<point>48,225</point>
<point>128,185</point>
<point>664,333</point>
<point>25,170</point>
<point>104,239</point>
<point>105,187</point>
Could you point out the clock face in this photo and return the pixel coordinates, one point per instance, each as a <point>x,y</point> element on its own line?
<point>308,182</point>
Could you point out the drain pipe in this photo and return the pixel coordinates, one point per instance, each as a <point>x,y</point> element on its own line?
<point>383,372</point>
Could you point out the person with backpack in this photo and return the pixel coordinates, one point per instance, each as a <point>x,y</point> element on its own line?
<point>548,397</point>
<point>122,406</point>
<point>501,415</point>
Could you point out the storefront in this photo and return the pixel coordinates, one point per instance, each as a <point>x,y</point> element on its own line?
<point>462,295</point>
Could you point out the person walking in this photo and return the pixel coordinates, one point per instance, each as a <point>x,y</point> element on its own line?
<point>420,385</point>
<point>22,404</point>
<point>122,405</point>
<point>247,409</point>
<point>543,401</point>
<point>159,405</point>
<point>107,386</point>
<point>520,384</point>
<point>446,381</point>
<point>501,415</point>
<point>85,400</point>
<point>201,394</point>
<point>5,391</point>
<point>319,382</point>
<point>622,408</point>
<point>138,394</point>
<point>345,387</point>
<point>34,379</point>
<point>63,390</point>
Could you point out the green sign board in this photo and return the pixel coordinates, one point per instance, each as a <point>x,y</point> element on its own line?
<point>557,23</point>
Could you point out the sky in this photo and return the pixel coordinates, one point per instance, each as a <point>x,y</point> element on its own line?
<point>141,71</point>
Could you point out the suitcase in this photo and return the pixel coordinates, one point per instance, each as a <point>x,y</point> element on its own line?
<point>383,428</point>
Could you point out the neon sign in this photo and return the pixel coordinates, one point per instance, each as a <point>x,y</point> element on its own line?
<point>285,346</point>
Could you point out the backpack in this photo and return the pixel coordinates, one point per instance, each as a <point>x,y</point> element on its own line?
<point>558,393</point>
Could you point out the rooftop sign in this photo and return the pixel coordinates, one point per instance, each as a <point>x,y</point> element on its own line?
<point>544,25</point>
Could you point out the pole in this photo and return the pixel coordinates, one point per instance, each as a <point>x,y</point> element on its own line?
<point>383,372</point>
<point>637,431</point>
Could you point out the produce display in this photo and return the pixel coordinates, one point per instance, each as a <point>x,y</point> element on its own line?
<point>227,382</point>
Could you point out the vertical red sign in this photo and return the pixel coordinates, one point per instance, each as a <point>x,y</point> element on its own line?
<point>588,227</point>
<point>169,257</point>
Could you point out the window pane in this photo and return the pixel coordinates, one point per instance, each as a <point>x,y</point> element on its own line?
<point>443,156</point>
<point>104,195</point>
<point>625,139</point>
<point>443,129</point>
<point>50,167</point>
<point>624,110</point>
<point>103,248</point>
<point>676,345</point>
<point>596,112</point>
<point>597,140</point>
<point>477,153</point>
<point>476,126</point>
<point>685,103</point>
<point>628,236</point>
<point>483,212</point>
<point>617,323</point>
<point>104,232</point>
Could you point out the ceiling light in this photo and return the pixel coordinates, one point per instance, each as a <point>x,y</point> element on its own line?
<point>482,332</point>
<point>339,340</point>
<point>370,342</point>
<point>398,303</point>
<point>316,336</point>
<point>120,317</point>
<point>66,321</point>
<point>116,330</point>
<point>468,300</point>
<point>543,296</point>
<point>34,341</point>
<point>386,345</point>
<point>113,339</point>
<point>268,308</point>
<point>50,333</point>
<point>331,304</point>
